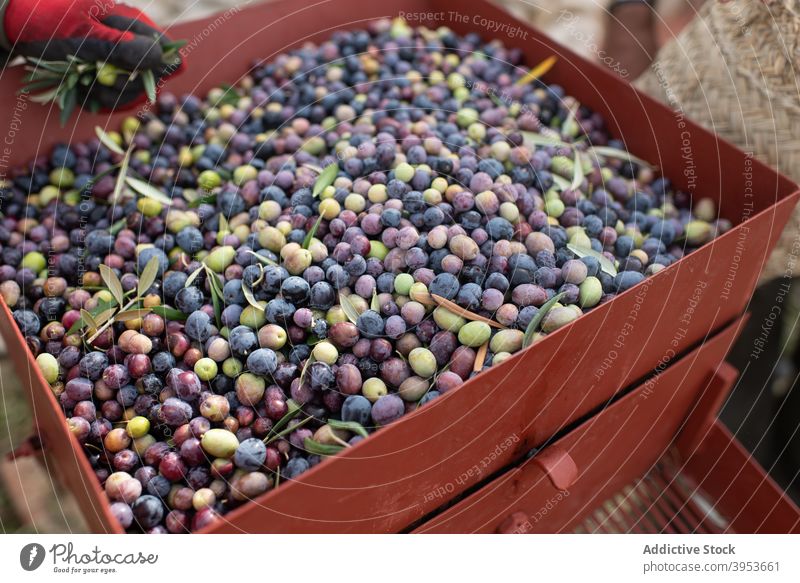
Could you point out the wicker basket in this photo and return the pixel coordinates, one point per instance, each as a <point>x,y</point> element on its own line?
<point>733,69</point>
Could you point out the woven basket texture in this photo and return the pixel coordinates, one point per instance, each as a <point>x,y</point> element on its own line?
<point>733,69</point>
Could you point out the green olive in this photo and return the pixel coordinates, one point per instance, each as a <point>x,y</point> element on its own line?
<point>219,443</point>
<point>474,334</point>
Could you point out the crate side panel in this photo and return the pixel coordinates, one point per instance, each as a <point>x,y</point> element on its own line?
<point>610,450</point>
<point>63,456</point>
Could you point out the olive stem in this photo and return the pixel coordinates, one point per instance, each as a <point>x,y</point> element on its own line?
<point>340,441</point>
<point>286,431</point>
<point>102,328</point>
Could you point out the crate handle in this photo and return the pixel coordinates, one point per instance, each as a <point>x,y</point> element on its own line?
<point>560,469</point>
<point>515,523</point>
<point>704,414</point>
<point>559,466</point>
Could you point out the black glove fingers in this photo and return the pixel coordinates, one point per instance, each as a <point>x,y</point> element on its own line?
<point>133,25</point>
<point>140,53</point>
<point>86,48</point>
<point>110,97</point>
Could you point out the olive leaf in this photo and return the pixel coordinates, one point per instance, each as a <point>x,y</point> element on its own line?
<point>351,426</point>
<point>123,173</point>
<point>55,66</point>
<point>605,263</point>
<point>37,85</point>
<point>261,258</point>
<point>37,79</point>
<point>108,141</point>
<point>168,313</point>
<point>101,322</point>
<point>313,167</point>
<point>149,82</point>
<point>148,190</point>
<point>538,70</point>
<point>81,323</point>
<point>310,235</point>
<point>248,290</point>
<point>215,302</point>
<point>112,283</point>
<point>94,179</point>
<point>173,46</point>
<point>348,308</point>
<point>325,178</point>
<point>228,97</point>
<point>88,319</point>
<point>118,226</point>
<point>132,314</point>
<point>104,316</point>
<point>533,140</point>
<point>214,283</point>
<point>536,321</point>
<point>147,277</point>
<point>569,126</point>
<point>67,103</point>
<point>316,448</point>
<point>309,361</point>
<point>577,172</point>
<point>45,97</point>
<point>251,299</point>
<point>292,410</point>
<point>464,313</point>
<point>210,199</point>
<point>610,152</point>
<point>223,225</point>
<point>107,318</point>
<point>260,277</point>
<point>77,325</point>
<point>38,74</point>
<point>61,78</point>
<point>273,437</point>
<point>217,297</point>
<point>194,275</point>
<point>375,304</point>
<point>72,80</point>
<point>561,182</point>
<point>496,100</point>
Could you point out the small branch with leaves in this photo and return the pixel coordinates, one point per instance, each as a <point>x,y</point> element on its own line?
<point>550,138</point>
<point>136,185</point>
<point>124,307</point>
<point>60,82</point>
<point>215,289</point>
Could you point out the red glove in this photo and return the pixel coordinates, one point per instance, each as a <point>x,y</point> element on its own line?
<point>93,30</point>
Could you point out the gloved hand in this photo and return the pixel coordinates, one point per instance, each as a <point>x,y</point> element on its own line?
<point>92,30</point>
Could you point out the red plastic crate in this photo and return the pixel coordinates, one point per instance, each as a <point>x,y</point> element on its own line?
<point>384,483</point>
<point>657,460</point>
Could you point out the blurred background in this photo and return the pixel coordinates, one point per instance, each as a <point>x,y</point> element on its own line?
<point>626,36</point>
